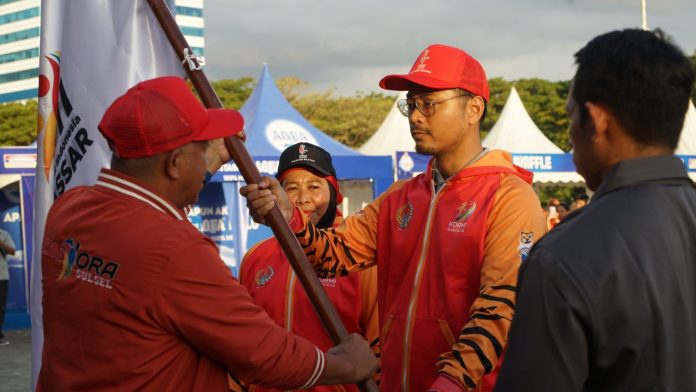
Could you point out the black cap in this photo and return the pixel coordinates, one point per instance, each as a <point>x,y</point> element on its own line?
<point>306,155</point>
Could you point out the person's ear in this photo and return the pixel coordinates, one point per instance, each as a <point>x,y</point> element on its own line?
<point>475,110</point>
<point>600,118</point>
<point>173,163</point>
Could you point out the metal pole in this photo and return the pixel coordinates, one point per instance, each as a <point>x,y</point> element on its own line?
<point>305,273</point>
<point>644,16</point>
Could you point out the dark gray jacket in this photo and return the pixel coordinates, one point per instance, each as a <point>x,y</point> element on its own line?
<point>607,299</point>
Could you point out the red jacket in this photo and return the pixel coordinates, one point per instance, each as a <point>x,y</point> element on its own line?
<point>266,273</point>
<point>135,298</point>
<point>448,264</point>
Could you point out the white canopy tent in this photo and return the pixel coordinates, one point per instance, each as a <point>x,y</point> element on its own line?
<point>392,136</point>
<point>516,132</point>
<point>687,141</point>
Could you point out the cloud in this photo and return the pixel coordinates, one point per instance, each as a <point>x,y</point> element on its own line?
<point>350,45</point>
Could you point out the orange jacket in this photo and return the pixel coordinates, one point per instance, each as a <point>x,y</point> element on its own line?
<point>266,273</point>
<point>448,265</point>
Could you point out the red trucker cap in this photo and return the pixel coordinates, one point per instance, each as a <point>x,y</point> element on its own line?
<point>161,114</point>
<point>442,67</point>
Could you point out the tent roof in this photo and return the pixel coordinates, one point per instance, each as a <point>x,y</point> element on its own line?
<point>516,132</point>
<point>393,135</point>
<point>687,141</point>
<point>272,124</point>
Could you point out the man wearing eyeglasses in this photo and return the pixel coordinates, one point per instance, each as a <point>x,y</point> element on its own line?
<point>449,242</point>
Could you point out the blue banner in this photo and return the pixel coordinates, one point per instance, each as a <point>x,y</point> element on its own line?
<point>410,164</point>
<point>689,162</point>
<point>545,162</point>
<point>11,222</point>
<point>18,160</point>
<point>216,219</point>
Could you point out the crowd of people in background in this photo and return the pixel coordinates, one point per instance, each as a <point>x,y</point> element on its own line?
<point>556,210</point>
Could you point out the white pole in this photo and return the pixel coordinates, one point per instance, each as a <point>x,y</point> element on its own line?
<point>645,17</point>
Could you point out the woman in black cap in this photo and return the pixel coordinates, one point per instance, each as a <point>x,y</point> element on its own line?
<point>308,177</point>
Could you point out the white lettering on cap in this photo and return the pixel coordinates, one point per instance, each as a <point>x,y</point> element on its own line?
<point>284,133</point>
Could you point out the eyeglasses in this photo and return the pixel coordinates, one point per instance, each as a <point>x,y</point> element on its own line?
<point>426,107</point>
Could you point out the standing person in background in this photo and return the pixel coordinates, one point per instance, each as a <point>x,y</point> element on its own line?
<point>307,175</point>
<point>607,300</point>
<point>7,247</point>
<point>580,201</point>
<point>552,213</point>
<point>563,210</point>
<point>135,297</point>
<point>448,242</point>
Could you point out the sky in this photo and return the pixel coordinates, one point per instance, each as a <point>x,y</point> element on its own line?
<point>349,45</point>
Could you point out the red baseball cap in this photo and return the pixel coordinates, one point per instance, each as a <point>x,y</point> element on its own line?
<point>442,67</point>
<point>161,114</point>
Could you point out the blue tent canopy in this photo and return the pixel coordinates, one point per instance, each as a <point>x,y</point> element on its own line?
<point>272,124</point>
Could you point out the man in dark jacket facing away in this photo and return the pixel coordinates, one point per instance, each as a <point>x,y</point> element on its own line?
<point>607,300</point>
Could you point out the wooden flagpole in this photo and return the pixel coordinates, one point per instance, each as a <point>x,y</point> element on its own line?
<point>305,273</point>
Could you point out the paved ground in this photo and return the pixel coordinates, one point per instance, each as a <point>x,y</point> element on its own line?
<point>15,362</point>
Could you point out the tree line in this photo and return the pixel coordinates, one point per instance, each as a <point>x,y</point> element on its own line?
<point>349,119</point>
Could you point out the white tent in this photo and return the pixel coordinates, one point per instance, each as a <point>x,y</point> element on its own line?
<point>393,135</point>
<point>687,142</point>
<point>516,132</point>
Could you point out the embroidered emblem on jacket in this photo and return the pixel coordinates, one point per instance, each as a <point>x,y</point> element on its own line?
<point>404,215</point>
<point>464,212</point>
<point>263,276</point>
<point>526,239</point>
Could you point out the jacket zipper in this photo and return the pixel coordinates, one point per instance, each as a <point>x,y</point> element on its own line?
<point>416,284</point>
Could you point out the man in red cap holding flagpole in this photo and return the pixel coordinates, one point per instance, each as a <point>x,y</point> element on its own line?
<point>448,242</point>
<point>135,298</point>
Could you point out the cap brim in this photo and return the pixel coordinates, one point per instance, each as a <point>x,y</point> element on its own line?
<point>221,123</point>
<point>305,165</point>
<point>404,82</point>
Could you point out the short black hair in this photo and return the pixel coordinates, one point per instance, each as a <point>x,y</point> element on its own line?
<point>582,196</point>
<point>642,77</point>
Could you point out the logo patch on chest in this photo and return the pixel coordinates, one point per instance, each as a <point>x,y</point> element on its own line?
<point>263,276</point>
<point>462,215</point>
<point>404,214</point>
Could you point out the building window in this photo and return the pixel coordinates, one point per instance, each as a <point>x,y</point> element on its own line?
<point>198,51</point>
<point>20,75</point>
<point>194,31</point>
<point>19,15</point>
<point>19,35</point>
<point>189,11</point>
<point>17,56</point>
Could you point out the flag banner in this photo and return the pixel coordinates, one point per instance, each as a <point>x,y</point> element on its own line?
<point>92,51</point>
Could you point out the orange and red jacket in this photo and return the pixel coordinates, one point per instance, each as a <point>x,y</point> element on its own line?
<point>448,263</point>
<point>266,273</point>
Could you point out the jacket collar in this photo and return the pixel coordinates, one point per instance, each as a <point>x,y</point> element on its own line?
<point>130,187</point>
<point>664,169</point>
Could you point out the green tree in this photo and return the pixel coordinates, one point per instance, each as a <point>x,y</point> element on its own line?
<point>349,120</point>
<point>18,123</point>
<point>234,92</point>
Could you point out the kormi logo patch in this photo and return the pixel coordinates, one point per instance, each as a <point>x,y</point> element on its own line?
<point>462,215</point>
